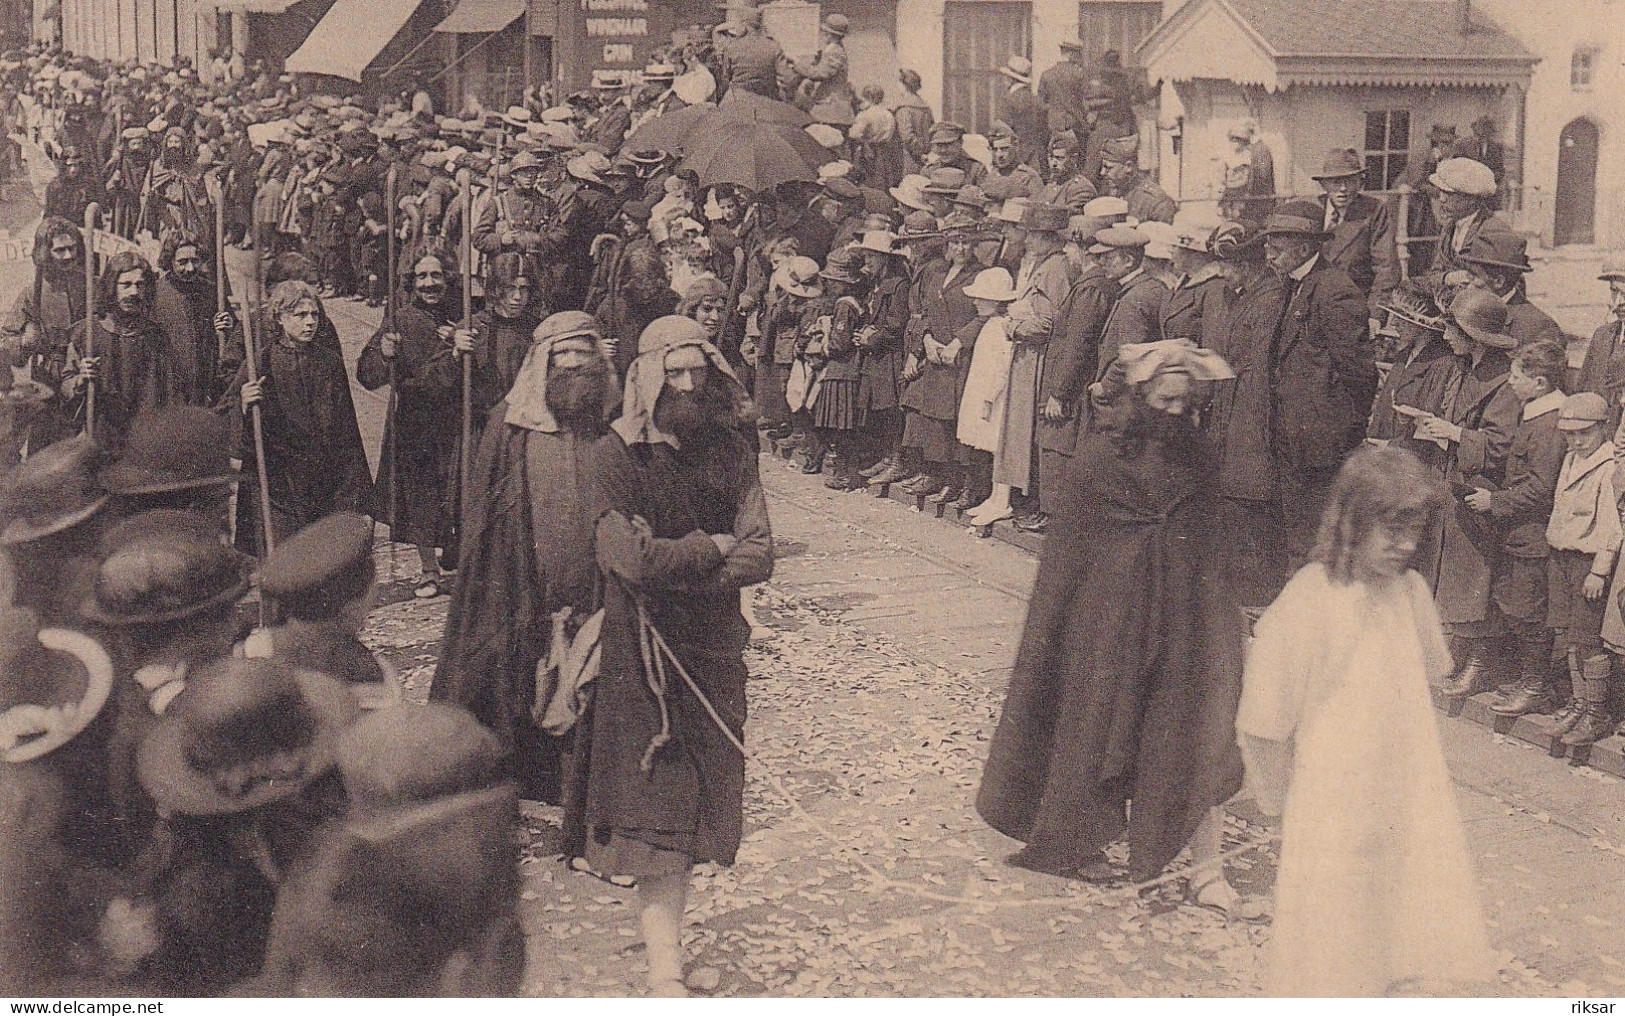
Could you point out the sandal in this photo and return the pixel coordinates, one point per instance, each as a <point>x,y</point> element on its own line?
<point>618,881</point>
<point>1219,896</point>
<point>427,588</point>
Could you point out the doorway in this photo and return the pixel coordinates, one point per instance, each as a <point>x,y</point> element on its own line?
<point>977,39</point>
<point>1574,217</point>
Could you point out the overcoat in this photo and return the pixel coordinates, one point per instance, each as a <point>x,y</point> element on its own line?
<point>1073,352</point>
<point>1324,371</point>
<point>1363,246</point>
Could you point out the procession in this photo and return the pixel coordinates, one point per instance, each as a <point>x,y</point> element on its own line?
<point>1276,482</point>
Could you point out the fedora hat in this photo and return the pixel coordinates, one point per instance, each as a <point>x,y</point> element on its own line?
<point>945,180</point>
<point>1482,316</point>
<point>992,284</point>
<point>605,81</point>
<point>53,490</point>
<point>910,192</point>
<point>1339,163</point>
<point>182,448</point>
<point>836,25</point>
<point>517,116</point>
<point>1041,218</point>
<point>161,566</point>
<point>1499,250</point>
<point>798,276</point>
<point>1018,68</point>
<point>1160,239</point>
<point>970,196</point>
<point>588,166</point>
<point>1118,238</point>
<point>1612,271</point>
<point>53,684</point>
<point>258,715</point>
<point>1297,218</point>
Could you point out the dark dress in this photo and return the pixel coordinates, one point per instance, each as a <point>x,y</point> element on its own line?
<point>1129,673</point>
<point>690,798</point>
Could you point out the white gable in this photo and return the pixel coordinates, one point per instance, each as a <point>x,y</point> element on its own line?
<point>1211,43</point>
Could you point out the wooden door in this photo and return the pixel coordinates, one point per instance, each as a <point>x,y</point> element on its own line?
<point>1121,25</point>
<point>1575,214</point>
<point>978,36</point>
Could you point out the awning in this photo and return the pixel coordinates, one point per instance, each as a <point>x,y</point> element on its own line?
<point>350,36</point>
<point>250,6</point>
<point>477,17</point>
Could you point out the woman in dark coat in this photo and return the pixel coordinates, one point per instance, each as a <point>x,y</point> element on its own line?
<point>931,394</point>
<point>1129,672</point>
<point>314,460</point>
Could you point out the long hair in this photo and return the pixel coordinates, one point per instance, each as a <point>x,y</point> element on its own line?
<point>1375,486</point>
<point>119,264</point>
<point>178,239</point>
<point>49,229</point>
<point>440,250</point>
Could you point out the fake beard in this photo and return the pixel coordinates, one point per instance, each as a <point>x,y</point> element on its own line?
<point>576,396</point>
<point>690,414</point>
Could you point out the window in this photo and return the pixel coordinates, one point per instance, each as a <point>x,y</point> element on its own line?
<point>1580,67</point>
<point>1387,147</point>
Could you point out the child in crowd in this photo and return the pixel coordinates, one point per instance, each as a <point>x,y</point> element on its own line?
<point>1584,534</point>
<point>1519,511</point>
<point>1376,888</point>
<point>982,395</point>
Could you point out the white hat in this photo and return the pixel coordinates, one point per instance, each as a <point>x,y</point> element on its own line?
<point>1106,207</point>
<point>992,284</point>
<point>1464,176</point>
<point>1160,238</point>
<point>1013,211</point>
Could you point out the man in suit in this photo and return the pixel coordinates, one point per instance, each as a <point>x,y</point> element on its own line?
<point>1061,89</point>
<point>1024,113</point>
<point>1322,370</point>
<point>1604,369</point>
<point>1499,262</point>
<point>1362,229</point>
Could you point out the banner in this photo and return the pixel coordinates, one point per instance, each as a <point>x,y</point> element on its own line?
<point>104,245</point>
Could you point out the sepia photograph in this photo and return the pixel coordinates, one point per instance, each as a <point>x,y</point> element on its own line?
<point>818,499</point>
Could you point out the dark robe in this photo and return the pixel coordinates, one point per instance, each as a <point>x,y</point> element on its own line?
<point>137,376</point>
<point>185,311</point>
<point>1129,673</point>
<point>691,798</point>
<point>314,460</point>
<point>526,554</point>
<point>423,438</point>
<point>499,352</point>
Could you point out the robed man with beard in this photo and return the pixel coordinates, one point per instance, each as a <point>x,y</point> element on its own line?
<point>527,545</point>
<point>681,528</point>
<point>184,307</point>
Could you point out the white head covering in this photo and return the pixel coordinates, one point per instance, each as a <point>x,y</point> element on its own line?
<point>1142,361</point>
<point>646,378</point>
<point>527,400</point>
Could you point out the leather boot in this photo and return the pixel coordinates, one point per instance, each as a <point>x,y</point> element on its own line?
<point>879,467</point>
<point>1531,692</point>
<point>1565,718</point>
<point>1594,723</point>
<point>1474,675</point>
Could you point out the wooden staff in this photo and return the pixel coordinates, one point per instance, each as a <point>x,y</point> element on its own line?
<point>465,182</point>
<point>391,183</point>
<point>93,212</point>
<point>217,194</point>
<point>267,539</point>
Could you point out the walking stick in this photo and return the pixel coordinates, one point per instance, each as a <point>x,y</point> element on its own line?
<point>93,212</point>
<point>465,462</point>
<point>391,183</point>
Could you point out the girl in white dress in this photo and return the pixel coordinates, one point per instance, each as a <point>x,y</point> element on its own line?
<point>1376,891</point>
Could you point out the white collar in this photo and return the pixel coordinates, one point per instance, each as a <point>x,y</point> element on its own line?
<point>1302,271</point>
<point>1132,277</point>
<point>163,682</point>
<point>1604,453</point>
<point>1551,402</point>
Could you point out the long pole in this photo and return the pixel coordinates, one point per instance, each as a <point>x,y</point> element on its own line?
<point>93,212</point>
<point>217,194</point>
<point>391,184</point>
<point>252,363</point>
<point>465,181</point>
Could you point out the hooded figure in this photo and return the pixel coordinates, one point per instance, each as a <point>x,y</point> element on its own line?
<point>39,327</point>
<point>527,550</point>
<point>682,528</point>
<point>1129,671</point>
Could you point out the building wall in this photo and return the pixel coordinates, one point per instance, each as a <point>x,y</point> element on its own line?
<point>1554,102</point>
<point>1299,125</point>
<point>147,30</point>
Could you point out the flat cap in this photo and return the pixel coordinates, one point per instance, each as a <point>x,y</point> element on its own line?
<point>325,553</point>
<point>1118,238</point>
<point>1464,176</point>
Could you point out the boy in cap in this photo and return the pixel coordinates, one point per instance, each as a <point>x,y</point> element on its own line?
<point>1584,535</point>
<point>414,893</point>
<point>1520,511</point>
<point>323,580</point>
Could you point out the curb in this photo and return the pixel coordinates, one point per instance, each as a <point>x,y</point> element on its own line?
<point>1607,755</point>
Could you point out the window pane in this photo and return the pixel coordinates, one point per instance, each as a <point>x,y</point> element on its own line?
<point>1396,170</point>
<point>1399,130</point>
<point>1375,173</point>
<point>1376,124</point>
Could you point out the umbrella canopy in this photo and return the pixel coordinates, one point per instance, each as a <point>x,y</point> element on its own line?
<point>669,133</point>
<point>755,154</point>
<point>747,105</point>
